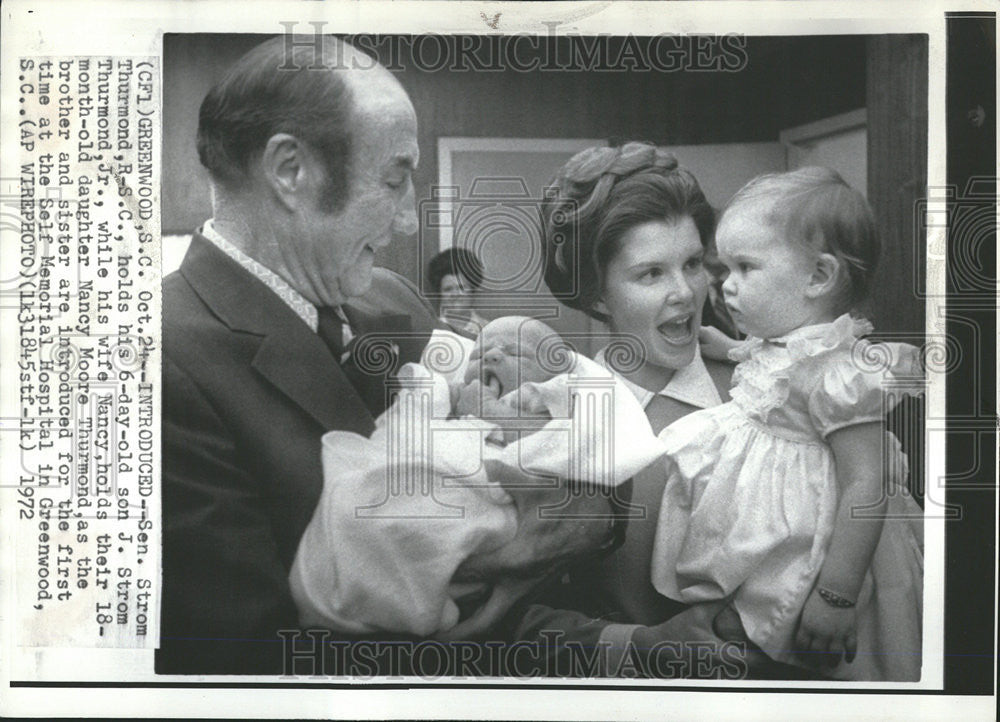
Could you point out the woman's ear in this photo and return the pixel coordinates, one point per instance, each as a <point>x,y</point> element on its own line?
<point>825,276</point>
<point>284,168</point>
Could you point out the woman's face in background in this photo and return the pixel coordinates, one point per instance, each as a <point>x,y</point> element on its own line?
<point>655,289</point>
<point>456,295</point>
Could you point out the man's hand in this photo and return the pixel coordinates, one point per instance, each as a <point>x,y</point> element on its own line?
<point>826,633</point>
<point>556,522</point>
<point>505,594</point>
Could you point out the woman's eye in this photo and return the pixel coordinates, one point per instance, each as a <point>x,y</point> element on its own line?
<point>694,263</point>
<point>651,274</point>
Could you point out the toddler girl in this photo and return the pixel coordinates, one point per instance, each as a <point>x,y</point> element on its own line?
<point>777,497</point>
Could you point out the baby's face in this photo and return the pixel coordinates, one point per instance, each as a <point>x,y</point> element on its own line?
<point>505,354</point>
<point>768,275</point>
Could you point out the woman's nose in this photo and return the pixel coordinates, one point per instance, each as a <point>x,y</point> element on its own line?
<point>680,290</point>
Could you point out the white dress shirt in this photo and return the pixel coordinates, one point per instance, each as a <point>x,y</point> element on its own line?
<point>295,300</point>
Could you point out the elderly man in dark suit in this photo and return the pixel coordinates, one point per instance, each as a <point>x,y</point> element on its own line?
<point>310,148</point>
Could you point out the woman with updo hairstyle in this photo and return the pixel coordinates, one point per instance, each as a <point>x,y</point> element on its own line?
<point>625,239</point>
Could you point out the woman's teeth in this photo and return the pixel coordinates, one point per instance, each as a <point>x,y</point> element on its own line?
<point>677,331</point>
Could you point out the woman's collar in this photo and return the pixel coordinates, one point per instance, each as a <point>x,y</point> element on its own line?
<point>691,384</point>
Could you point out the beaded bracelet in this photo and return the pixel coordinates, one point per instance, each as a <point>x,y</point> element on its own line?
<point>833,599</point>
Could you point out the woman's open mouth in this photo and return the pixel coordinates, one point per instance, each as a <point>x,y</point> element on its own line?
<point>678,331</point>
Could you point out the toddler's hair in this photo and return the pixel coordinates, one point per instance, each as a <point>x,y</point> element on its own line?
<point>816,207</point>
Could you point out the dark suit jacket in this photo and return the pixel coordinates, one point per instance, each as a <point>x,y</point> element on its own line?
<point>248,390</point>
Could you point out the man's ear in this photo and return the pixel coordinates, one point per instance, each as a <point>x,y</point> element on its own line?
<point>601,308</point>
<point>285,168</point>
<point>825,275</point>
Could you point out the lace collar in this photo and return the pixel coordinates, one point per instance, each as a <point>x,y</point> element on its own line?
<point>809,340</point>
<point>760,382</point>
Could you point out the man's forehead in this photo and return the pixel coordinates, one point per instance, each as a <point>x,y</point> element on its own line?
<point>388,137</point>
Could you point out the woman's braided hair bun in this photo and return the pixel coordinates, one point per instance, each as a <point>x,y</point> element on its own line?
<point>594,164</point>
<point>578,217</point>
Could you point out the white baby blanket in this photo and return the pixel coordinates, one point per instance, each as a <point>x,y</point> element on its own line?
<point>401,510</point>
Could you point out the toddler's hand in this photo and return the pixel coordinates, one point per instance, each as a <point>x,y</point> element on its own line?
<point>715,344</point>
<point>826,633</point>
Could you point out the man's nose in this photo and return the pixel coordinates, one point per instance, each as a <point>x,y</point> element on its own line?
<point>493,356</point>
<point>405,222</point>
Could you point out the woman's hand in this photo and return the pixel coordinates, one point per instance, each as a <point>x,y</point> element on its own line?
<point>715,344</point>
<point>688,646</point>
<point>826,633</point>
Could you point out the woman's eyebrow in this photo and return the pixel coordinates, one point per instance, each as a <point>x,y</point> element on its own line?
<point>644,264</point>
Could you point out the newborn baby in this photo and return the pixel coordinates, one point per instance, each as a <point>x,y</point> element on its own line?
<point>504,358</point>
<point>427,509</point>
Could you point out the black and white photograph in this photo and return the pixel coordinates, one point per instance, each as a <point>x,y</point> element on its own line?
<point>705,231</point>
<point>511,350</point>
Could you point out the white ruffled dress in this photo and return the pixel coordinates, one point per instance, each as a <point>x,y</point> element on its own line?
<point>751,499</point>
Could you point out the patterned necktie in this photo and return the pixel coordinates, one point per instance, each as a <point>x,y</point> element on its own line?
<point>337,336</point>
<point>330,328</point>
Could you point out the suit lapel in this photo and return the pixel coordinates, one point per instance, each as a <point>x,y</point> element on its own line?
<point>394,328</point>
<point>291,357</point>
<point>303,369</point>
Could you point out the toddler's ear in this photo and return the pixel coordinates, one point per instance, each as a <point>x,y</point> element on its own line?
<point>825,276</point>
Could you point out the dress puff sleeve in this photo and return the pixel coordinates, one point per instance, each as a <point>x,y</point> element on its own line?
<point>863,384</point>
